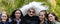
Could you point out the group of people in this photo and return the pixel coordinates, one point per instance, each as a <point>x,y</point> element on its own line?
<point>30,18</point>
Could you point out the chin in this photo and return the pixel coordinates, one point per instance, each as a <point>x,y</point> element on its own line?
<point>50,20</point>
<point>31,15</point>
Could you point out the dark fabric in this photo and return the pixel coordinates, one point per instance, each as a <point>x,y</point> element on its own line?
<point>5,22</point>
<point>14,22</point>
<point>46,22</point>
<point>30,20</point>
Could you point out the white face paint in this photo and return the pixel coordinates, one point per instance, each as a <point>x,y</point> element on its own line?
<point>31,12</point>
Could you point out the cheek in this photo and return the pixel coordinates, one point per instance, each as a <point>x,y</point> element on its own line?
<point>17,14</point>
<point>6,17</point>
<point>41,16</point>
<point>2,17</point>
<point>50,18</point>
<point>53,18</point>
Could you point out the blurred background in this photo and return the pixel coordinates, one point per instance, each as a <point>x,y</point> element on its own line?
<point>11,5</point>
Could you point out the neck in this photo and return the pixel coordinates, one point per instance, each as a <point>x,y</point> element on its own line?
<point>42,20</point>
<point>17,19</point>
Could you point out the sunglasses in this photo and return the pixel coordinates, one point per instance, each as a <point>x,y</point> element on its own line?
<point>31,12</point>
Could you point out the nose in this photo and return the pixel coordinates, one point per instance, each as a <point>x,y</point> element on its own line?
<point>31,13</point>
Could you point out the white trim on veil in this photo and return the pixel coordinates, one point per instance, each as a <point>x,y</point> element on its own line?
<point>36,5</point>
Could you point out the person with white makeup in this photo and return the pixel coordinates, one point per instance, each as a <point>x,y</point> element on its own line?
<point>52,18</point>
<point>30,18</point>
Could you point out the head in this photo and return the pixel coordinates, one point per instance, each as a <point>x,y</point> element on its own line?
<point>31,12</point>
<point>4,16</point>
<point>16,14</point>
<point>52,17</point>
<point>42,15</point>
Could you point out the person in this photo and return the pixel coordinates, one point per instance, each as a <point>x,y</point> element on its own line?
<point>4,18</point>
<point>0,16</point>
<point>43,17</point>
<point>52,18</point>
<point>16,17</point>
<point>30,18</point>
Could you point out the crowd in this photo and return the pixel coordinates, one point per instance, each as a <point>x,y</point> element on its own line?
<point>17,17</point>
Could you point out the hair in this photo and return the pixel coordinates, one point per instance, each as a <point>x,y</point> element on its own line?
<point>53,15</point>
<point>13,14</point>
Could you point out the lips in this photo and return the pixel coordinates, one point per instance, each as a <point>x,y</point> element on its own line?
<point>31,14</point>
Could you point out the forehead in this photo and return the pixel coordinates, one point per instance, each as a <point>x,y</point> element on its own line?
<point>50,15</point>
<point>17,11</point>
<point>41,13</point>
<point>4,14</point>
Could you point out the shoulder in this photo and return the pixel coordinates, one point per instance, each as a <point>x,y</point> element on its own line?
<point>56,22</point>
<point>12,22</point>
<point>0,22</point>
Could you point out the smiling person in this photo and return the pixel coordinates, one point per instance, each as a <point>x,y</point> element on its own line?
<point>52,18</point>
<point>43,17</point>
<point>4,18</point>
<point>16,16</point>
<point>30,18</point>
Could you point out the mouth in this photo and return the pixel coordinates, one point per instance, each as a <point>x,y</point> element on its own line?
<point>31,14</point>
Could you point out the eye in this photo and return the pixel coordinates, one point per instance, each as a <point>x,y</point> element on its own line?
<point>17,13</point>
<point>40,15</point>
<point>31,11</point>
<point>3,16</point>
<point>50,16</point>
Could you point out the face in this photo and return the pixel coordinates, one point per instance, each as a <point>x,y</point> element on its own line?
<point>51,17</point>
<point>31,12</point>
<point>17,14</point>
<point>4,17</point>
<point>41,15</point>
